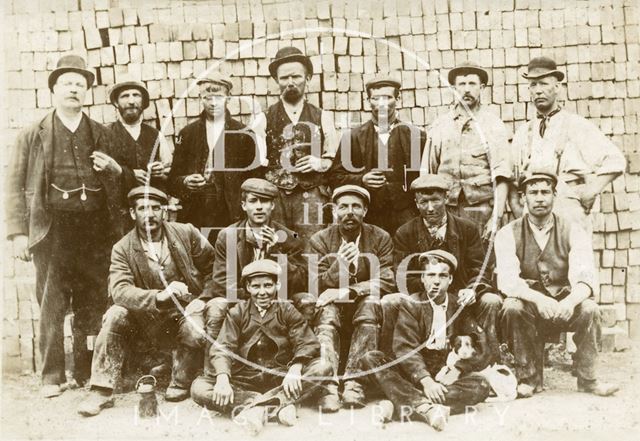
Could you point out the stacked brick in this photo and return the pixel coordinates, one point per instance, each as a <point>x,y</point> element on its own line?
<point>166,43</point>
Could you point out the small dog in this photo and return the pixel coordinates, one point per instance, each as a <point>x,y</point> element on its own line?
<point>500,377</point>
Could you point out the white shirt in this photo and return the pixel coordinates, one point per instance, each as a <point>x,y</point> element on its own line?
<point>215,128</point>
<point>133,129</point>
<point>70,123</point>
<point>384,136</point>
<point>157,252</point>
<point>438,336</point>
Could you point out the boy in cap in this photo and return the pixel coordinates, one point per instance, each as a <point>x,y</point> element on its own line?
<point>301,143</point>
<point>146,155</point>
<point>469,145</point>
<point>64,206</point>
<point>213,156</point>
<point>157,272</point>
<point>565,144</point>
<point>352,270</point>
<point>262,357</point>
<point>545,268</point>
<point>437,228</point>
<point>425,326</point>
<point>382,155</point>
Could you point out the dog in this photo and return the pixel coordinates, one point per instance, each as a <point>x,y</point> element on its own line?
<point>462,349</point>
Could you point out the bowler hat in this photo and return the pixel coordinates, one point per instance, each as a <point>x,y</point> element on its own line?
<point>125,85</point>
<point>541,67</point>
<point>466,69</point>
<point>287,55</point>
<point>71,63</point>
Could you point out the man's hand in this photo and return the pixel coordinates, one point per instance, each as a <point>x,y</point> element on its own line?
<point>466,296</point>
<point>268,236</point>
<point>308,164</point>
<point>141,176</point>
<point>488,228</point>
<point>565,310</point>
<point>374,179</point>
<point>177,289</point>
<point>348,252</point>
<point>194,307</point>
<point>292,383</point>
<point>547,307</point>
<point>195,181</point>
<point>331,295</point>
<point>20,244</point>
<point>157,169</point>
<point>433,390</point>
<point>104,162</point>
<point>587,198</point>
<point>222,391</point>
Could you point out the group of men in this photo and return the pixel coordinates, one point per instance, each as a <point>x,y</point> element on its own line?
<point>279,302</point>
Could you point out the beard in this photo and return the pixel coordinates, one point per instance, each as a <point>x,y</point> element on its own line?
<point>291,95</point>
<point>130,115</point>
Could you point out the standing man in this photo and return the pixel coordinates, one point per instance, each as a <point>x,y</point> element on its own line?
<point>425,325</point>
<point>301,144</point>
<point>213,156</point>
<point>65,207</point>
<point>545,268</point>
<point>436,228</point>
<point>145,152</point>
<point>470,146</point>
<point>156,273</point>
<point>354,268</point>
<point>383,156</point>
<point>560,142</point>
<point>279,356</point>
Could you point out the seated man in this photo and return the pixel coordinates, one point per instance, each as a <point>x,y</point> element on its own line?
<point>156,272</point>
<point>256,237</point>
<point>263,355</point>
<point>420,343</point>
<point>354,269</point>
<point>437,228</point>
<point>545,268</point>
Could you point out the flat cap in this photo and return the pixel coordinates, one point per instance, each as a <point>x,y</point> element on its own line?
<point>382,81</point>
<point>466,69</point>
<point>442,256</point>
<point>261,187</point>
<point>215,78</point>
<point>432,181</point>
<point>351,189</point>
<point>125,85</point>
<point>146,191</point>
<point>537,175</point>
<point>541,67</point>
<point>262,267</point>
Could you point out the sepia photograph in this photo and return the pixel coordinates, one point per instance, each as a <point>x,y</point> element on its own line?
<point>320,219</point>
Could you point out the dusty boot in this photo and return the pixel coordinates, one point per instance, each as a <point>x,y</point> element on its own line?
<point>386,413</point>
<point>597,388</point>
<point>330,402</point>
<point>95,402</point>
<point>525,390</point>
<point>435,415</point>
<point>51,390</point>
<point>252,419</point>
<point>175,394</point>
<point>353,395</point>
<point>288,415</point>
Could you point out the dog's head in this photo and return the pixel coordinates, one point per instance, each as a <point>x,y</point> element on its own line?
<point>463,346</point>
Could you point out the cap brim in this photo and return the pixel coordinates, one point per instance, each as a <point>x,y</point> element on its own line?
<point>273,66</point>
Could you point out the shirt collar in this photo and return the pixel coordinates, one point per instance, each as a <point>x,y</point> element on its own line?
<point>548,226</point>
<point>70,123</point>
<point>460,111</point>
<point>438,230</point>
<point>293,109</point>
<point>549,115</point>
<point>357,241</point>
<point>444,305</point>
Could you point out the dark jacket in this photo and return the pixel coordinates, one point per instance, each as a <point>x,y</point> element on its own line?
<point>412,331</point>
<point>291,247</point>
<point>190,156</point>
<point>394,195</point>
<point>282,323</point>
<point>131,283</point>
<point>462,240</point>
<point>28,177</point>
<point>373,241</point>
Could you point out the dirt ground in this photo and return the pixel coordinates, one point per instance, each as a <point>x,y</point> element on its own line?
<point>559,413</point>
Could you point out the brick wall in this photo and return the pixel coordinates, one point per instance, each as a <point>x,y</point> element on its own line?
<point>165,42</point>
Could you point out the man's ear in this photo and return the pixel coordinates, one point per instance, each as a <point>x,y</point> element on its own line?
<point>132,213</point>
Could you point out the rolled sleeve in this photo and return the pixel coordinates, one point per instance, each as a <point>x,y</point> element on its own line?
<point>330,146</point>
<point>508,266</point>
<point>581,264</point>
